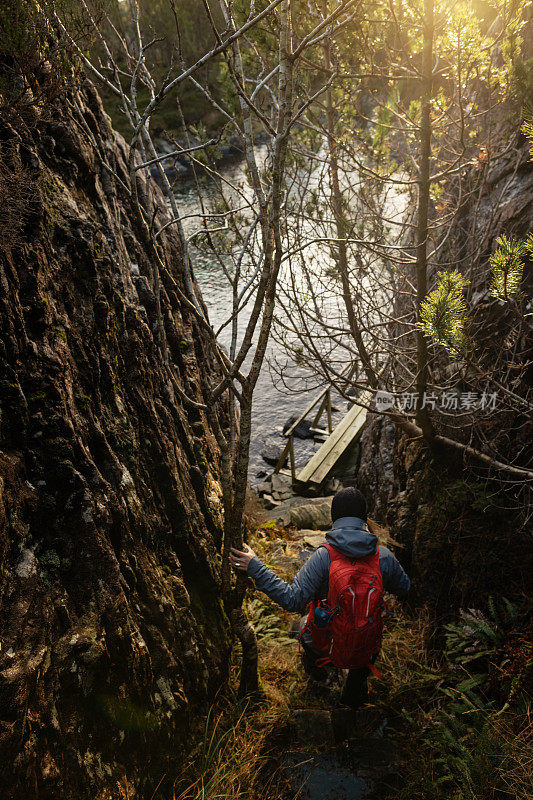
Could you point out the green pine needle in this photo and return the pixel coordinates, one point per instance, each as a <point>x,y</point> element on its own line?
<point>443,311</point>
<point>527,128</point>
<point>507,265</point>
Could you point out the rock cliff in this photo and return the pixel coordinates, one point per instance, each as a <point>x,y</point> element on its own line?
<point>112,633</point>
<point>465,535</point>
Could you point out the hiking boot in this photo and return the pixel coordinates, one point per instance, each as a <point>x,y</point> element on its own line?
<point>354,700</point>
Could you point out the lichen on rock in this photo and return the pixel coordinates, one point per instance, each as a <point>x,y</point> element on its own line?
<point>112,634</point>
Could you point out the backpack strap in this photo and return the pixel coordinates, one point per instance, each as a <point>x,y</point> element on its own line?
<point>333,554</point>
<point>374,671</point>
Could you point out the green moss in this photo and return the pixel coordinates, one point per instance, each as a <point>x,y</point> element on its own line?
<point>51,189</point>
<point>59,446</point>
<point>461,542</point>
<point>270,525</point>
<point>36,397</point>
<point>83,401</point>
<point>50,560</point>
<point>445,502</point>
<point>97,250</point>
<point>127,716</point>
<point>203,466</point>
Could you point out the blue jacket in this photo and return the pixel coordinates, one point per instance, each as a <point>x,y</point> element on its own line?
<point>349,536</point>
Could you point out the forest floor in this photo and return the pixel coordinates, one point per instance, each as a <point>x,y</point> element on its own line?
<point>434,727</point>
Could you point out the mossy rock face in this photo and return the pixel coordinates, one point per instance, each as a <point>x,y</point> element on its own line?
<point>462,538</point>
<point>50,560</point>
<point>105,526</point>
<point>468,546</point>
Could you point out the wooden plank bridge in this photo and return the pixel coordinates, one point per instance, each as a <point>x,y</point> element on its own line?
<point>337,442</point>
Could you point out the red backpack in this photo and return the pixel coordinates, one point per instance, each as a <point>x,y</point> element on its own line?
<point>353,635</point>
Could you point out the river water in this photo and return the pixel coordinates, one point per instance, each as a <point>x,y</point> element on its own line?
<point>273,403</point>
<point>306,282</point>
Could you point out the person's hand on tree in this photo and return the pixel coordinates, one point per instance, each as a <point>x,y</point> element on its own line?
<point>239,559</point>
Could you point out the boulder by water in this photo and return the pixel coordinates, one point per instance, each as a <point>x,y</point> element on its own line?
<point>271,453</point>
<point>283,514</point>
<point>315,515</point>
<point>302,430</point>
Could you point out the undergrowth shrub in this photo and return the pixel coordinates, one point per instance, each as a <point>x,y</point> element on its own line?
<point>468,735</point>
<point>267,621</point>
<point>37,59</point>
<point>18,192</point>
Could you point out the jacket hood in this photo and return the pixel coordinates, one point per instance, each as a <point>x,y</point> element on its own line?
<point>351,537</point>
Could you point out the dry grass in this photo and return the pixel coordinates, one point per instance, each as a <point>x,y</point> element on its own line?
<point>230,757</point>
<point>442,753</point>
<point>409,674</point>
<point>239,741</point>
<point>517,778</point>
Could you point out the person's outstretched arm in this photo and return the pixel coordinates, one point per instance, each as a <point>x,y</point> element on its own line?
<point>395,579</point>
<point>307,584</point>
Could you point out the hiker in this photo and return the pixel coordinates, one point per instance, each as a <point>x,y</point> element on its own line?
<point>341,585</point>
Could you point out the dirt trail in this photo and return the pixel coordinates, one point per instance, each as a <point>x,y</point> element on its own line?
<point>326,752</point>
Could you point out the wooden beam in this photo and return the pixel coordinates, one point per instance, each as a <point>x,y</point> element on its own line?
<point>322,462</point>
<point>291,459</point>
<point>305,413</point>
<point>318,414</point>
<point>283,456</point>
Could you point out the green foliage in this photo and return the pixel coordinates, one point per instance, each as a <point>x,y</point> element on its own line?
<point>470,741</point>
<point>464,762</point>
<point>521,81</point>
<point>507,263</point>
<point>527,129</point>
<point>83,401</point>
<point>266,620</point>
<point>384,122</point>
<point>443,310</point>
<point>478,646</point>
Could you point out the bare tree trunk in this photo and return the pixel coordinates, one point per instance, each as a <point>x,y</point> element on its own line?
<point>422,414</point>
<point>340,221</point>
<point>249,682</point>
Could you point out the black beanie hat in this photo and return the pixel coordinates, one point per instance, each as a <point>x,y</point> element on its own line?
<point>349,502</point>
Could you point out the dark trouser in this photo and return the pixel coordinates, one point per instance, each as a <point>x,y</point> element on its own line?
<point>355,691</point>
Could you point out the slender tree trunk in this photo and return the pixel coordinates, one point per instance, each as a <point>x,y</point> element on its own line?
<point>243,630</point>
<point>422,414</point>
<point>341,223</point>
<point>249,685</point>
